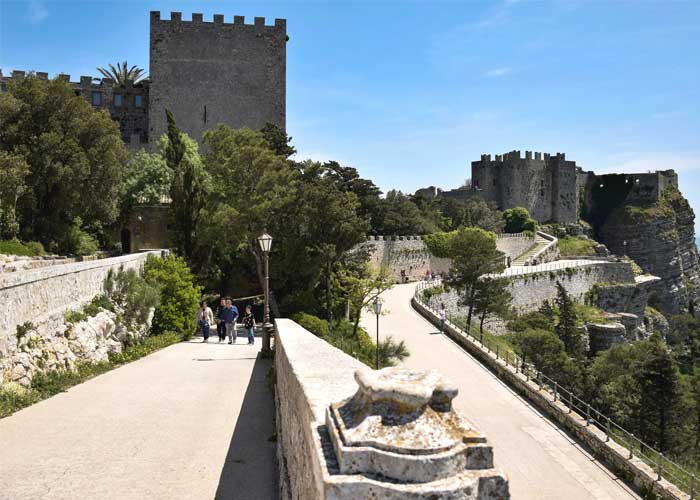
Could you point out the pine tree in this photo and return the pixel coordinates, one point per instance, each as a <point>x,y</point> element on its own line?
<point>566,328</point>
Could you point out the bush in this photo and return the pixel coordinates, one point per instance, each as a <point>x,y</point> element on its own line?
<point>179,296</point>
<point>15,247</point>
<point>359,344</point>
<point>133,295</point>
<point>518,220</point>
<point>76,241</point>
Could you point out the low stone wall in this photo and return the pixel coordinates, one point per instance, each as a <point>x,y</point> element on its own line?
<point>326,400</point>
<point>515,244</point>
<point>633,470</point>
<point>406,257</point>
<point>34,335</point>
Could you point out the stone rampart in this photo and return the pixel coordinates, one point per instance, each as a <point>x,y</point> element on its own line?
<point>407,258</point>
<point>34,335</point>
<point>334,443</point>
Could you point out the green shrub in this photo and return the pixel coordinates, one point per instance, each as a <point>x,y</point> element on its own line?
<point>15,247</point>
<point>440,243</point>
<point>98,303</point>
<point>179,296</point>
<point>76,241</point>
<point>133,295</point>
<point>358,344</point>
<point>518,220</point>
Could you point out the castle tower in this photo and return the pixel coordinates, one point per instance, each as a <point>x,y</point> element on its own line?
<point>208,73</point>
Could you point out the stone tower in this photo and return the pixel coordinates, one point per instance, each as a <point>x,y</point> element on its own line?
<point>208,73</point>
<point>546,185</point>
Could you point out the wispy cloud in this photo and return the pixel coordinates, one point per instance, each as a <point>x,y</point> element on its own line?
<point>498,72</point>
<point>37,11</point>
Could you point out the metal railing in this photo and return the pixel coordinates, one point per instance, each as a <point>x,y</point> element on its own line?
<point>664,468</point>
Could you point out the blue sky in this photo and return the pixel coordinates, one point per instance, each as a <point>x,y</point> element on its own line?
<point>411,92</point>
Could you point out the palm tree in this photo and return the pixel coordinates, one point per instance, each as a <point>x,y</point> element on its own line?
<point>121,74</point>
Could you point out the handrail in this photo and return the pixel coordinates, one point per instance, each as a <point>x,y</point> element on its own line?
<point>552,241</point>
<point>665,468</point>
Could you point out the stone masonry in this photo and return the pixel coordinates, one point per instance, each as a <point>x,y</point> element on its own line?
<point>208,73</point>
<point>348,432</point>
<point>205,72</point>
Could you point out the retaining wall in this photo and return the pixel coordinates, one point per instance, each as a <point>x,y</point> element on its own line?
<point>41,297</point>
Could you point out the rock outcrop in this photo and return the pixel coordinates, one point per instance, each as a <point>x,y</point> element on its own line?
<point>660,237</point>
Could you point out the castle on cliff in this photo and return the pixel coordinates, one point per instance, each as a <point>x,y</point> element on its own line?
<point>552,188</point>
<point>205,72</point>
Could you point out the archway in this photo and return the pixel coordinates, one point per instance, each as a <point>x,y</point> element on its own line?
<point>126,240</point>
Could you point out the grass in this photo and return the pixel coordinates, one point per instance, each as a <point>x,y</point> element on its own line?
<point>16,247</point>
<point>14,397</point>
<point>576,245</point>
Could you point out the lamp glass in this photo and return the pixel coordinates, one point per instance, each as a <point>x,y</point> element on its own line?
<point>377,306</point>
<point>265,242</point>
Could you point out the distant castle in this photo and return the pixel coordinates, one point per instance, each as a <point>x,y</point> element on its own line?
<point>206,73</point>
<point>552,188</point>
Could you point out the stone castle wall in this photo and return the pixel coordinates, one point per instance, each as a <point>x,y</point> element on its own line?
<point>132,115</point>
<point>545,185</point>
<point>41,297</point>
<point>408,259</point>
<point>209,73</point>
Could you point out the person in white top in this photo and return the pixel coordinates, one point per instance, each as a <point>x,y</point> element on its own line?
<point>205,318</point>
<point>443,316</point>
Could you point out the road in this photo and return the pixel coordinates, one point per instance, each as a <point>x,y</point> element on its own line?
<point>189,422</point>
<point>541,461</point>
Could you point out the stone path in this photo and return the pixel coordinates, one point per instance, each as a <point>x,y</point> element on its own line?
<point>191,421</point>
<point>538,245</point>
<point>550,266</point>
<point>541,461</point>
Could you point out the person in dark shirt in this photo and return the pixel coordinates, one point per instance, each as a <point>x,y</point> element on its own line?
<point>249,324</point>
<point>220,324</point>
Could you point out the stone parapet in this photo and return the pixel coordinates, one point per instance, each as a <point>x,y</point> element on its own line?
<point>348,432</point>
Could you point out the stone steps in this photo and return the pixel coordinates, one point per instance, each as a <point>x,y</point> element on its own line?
<point>539,244</point>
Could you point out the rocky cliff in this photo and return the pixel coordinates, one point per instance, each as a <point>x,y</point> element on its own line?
<point>660,237</point>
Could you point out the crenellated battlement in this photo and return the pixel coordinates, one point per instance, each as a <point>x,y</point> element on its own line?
<point>393,238</point>
<point>197,19</point>
<point>83,81</point>
<point>517,155</point>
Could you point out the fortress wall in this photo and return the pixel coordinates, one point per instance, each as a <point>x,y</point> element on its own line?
<point>41,297</point>
<point>211,72</point>
<point>529,291</point>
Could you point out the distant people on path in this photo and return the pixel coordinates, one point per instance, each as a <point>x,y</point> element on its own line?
<point>205,318</point>
<point>443,316</point>
<point>508,261</point>
<point>230,316</point>
<point>220,324</point>
<point>248,321</point>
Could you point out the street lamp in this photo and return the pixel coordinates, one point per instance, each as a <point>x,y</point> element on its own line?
<point>265,242</point>
<point>377,306</point>
<point>624,246</point>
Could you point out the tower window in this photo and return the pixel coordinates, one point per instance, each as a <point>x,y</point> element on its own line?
<point>96,98</point>
<point>138,101</point>
<point>494,181</point>
<point>117,99</point>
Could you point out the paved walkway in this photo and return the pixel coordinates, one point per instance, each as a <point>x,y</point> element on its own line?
<point>555,265</point>
<point>191,421</point>
<point>541,461</point>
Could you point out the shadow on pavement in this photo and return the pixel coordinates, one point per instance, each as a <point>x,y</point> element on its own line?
<point>250,469</point>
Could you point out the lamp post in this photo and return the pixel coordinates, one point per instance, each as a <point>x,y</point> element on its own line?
<point>265,241</point>
<point>624,246</point>
<point>377,306</point>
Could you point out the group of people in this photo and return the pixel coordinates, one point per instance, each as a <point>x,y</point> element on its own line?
<point>226,321</point>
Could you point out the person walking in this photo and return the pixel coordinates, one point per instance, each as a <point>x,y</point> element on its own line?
<point>443,316</point>
<point>205,318</point>
<point>230,316</point>
<point>220,323</point>
<point>248,321</point>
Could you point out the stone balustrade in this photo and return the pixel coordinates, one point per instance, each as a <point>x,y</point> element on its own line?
<point>348,432</point>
